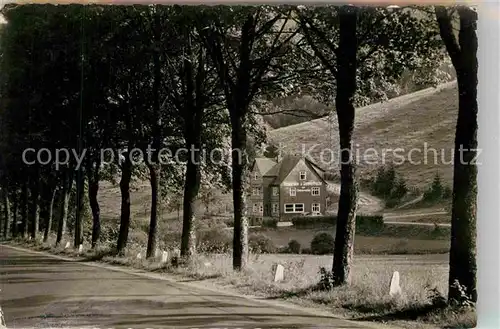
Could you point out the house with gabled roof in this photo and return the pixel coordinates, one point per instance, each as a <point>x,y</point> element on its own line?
<point>285,188</point>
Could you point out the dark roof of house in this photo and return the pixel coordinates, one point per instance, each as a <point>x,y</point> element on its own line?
<point>314,164</point>
<point>264,165</point>
<point>281,169</point>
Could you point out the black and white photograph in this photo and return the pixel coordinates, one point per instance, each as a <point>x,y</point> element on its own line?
<point>239,166</point>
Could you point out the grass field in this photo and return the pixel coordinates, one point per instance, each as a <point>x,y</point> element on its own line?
<point>423,280</point>
<point>426,217</point>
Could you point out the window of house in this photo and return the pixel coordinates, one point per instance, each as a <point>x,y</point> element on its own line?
<point>256,176</point>
<point>315,191</point>
<point>276,207</point>
<point>294,207</point>
<point>256,191</point>
<point>275,191</point>
<point>261,208</point>
<point>315,207</point>
<point>293,191</point>
<point>255,207</point>
<point>302,175</point>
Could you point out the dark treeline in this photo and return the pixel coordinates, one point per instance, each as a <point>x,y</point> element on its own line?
<point>87,78</point>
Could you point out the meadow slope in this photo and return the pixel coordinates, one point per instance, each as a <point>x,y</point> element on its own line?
<point>423,121</point>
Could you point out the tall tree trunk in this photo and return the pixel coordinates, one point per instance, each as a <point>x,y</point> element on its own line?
<point>80,190</point>
<point>65,191</point>
<point>24,210</point>
<point>346,88</point>
<point>2,224</point>
<point>15,204</point>
<point>154,166</point>
<point>191,188</point>
<point>35,210</point>
<point>7,215</point>
<point>125,204</point>
<point>238,165</point>
<point>192,111</point>
<point>154,179</point>
<point>48,225</point>
<point>463,54</point>
<point>93,179</point>
<point>1,217</point>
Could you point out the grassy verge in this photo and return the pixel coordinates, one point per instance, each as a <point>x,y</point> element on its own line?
<point>423,282</point>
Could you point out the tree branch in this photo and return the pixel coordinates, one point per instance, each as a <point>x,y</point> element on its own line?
<point>319,53</point>
<point>321,34</point>
<point>446,32</point>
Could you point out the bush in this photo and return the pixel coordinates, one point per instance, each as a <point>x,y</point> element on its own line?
<point>261,243</point>
<point>255,221</point>
<point>437,191</point>
<point>322,244</point>
<point>326,282</point>
<point>384,182</point>
<point>138,238</point>
<point>283,250</point>
<point>271,223</point>
<point>294,247</point>
<point>447,193</point>
<point>400,189</point>
<point>170,240</point>
<point>214,240</point>
<point>387,185</point>
<point>364,223</point>
<point>371,224</point>
<point>109,233</point>
<point>391,203</point>
<point>306,222</point>
<point>306,251</point>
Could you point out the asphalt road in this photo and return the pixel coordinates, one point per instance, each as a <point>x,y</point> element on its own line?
<point>38,291</point>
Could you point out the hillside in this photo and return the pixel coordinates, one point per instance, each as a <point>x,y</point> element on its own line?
<point>424,120</point>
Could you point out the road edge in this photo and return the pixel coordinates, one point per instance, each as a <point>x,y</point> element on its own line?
<point>170,279</point>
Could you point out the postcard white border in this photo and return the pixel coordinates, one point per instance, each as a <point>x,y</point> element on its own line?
<point>488,205</point>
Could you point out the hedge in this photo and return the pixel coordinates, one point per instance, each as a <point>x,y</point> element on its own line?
<point>271,223</point>
<point>253,221</point>
<point>363,222</point>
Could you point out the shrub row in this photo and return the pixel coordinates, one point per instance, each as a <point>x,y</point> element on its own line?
<point>253,221</point>
<point>364,223</point>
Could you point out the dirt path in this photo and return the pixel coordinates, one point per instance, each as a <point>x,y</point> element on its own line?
<point>367,203</point>
<point>371,204</point>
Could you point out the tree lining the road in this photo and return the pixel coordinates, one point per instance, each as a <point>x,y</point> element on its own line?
<point>364,51</point>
